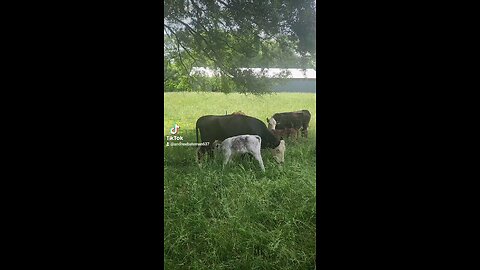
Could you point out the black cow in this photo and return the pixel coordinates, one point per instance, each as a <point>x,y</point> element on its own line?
<point>221,127</point>
<point>297,120</point>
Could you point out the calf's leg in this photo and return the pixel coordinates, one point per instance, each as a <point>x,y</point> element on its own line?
<point>258,157</point>
<point>227,156</point>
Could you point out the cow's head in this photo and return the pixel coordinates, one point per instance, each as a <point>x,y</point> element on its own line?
<point>279,152</point>
<point>271,123</point>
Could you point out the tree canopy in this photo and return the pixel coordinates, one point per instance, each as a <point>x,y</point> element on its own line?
<point>231,34</point>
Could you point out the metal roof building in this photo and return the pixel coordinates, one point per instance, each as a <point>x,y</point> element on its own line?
<point>297,80</point>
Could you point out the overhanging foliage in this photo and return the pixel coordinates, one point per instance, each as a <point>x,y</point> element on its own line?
<point>232,34</point>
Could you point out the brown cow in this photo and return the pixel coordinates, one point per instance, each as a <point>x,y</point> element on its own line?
<point>298,120</point>
<point>238,113</point>
<point>285,133</point>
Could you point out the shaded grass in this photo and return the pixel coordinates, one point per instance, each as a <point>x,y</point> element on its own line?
<point>238,218</point>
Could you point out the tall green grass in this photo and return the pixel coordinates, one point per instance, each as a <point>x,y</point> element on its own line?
<point>238,218</point>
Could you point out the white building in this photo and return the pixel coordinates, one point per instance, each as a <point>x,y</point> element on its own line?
<point>297,80</point>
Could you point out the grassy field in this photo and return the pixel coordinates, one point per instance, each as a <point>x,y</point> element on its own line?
<point>238,218</point>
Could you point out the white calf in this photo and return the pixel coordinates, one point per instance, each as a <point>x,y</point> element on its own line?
<point>240,145</point>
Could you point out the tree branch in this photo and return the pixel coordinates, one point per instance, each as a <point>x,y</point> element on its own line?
<point>178,51</point>
<point>179,43</point>
<point>207,53</point>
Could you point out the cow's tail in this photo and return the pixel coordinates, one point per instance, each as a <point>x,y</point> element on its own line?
<point>259,140</point>
<point>196,130</point>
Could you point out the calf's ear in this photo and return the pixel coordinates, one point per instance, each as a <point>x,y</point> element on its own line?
<point>267,119</point>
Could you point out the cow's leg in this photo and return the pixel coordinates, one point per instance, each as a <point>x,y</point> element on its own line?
<point>258,157</point>
<point>210,150</point>
<point>305,131</point>
<point>200,153</point>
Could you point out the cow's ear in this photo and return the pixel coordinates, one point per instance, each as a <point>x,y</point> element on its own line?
<point>281,138</point>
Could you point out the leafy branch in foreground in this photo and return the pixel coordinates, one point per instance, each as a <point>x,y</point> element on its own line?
<point>232,34</point>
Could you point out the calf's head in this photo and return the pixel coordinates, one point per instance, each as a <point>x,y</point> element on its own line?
<point>279,152</point>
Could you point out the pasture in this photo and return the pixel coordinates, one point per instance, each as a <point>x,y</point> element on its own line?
<point>238,218</point>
